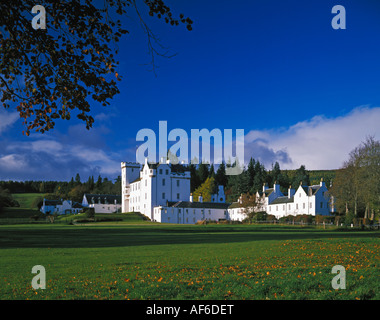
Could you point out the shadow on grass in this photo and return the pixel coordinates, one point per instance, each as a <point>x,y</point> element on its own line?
<point>55,236</point>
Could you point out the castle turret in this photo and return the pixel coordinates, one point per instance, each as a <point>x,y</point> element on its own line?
<point>130,171</point>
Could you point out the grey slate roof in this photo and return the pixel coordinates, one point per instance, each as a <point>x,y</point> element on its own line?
<point>282,200</point>
<point>104,198</point>
<point>311,190</point>
<point>200,205</point>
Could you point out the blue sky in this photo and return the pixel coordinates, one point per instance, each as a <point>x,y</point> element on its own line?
<point>303,92</point>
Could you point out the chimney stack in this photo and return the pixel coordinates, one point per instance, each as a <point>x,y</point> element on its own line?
<point>276,187</point>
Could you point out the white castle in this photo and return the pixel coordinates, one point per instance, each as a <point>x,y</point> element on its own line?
<point>161,191</point>
<point>145,187</point>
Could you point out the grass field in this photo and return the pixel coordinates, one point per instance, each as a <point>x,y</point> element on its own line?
<point>142,260</point>
<point>26,199</point>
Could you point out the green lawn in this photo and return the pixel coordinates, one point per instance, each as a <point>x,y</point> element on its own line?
<point>26,199</point>
<point>142,260</point>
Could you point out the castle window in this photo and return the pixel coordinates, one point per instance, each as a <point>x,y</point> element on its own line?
<point>304,205</point>
<point>163,195</point>
<point>163,182</point>
<point>321,205</point>
<point>311,205</point>
<point>166,171</point>
<point>177,183</point>
<point>160,171</point>
<point>177,196</point>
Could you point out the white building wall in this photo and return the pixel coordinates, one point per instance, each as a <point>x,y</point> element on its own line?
<point>156,186</point>
<point>177,215</point>
<point>105,208</point>
<point>129,173</point>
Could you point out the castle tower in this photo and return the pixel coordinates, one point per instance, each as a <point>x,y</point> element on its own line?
<point>130,171</point>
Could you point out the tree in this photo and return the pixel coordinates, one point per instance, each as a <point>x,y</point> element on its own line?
<point>76,193</point>
<point>238,184</point>
<point>356,188</point>
<point>77,179</point>
<point>47,74</point>
<point>367,158</point>
<point>206,189</point>
<point>203,172</point>
<point>260,177</point>
<point>98,183</point>
<point>90,183</point>
<point>251,171</point>
<point>211,173</point>
<point>220,176</point>
<point>194,179</point>
<point>301,176</point>
<point>275,173</point>
<point>6,199</point>
<point>248,203</point>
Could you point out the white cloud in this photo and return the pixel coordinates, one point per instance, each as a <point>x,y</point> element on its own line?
<point>13,162</point>
<point>318,143</point>
<point>7,118</point>
<point>58,156</point>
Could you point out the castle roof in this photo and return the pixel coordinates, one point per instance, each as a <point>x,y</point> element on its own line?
<point>311,190</point>
<point>104,198</point>
<point>175,168</point>
<point>282,200</point>
<point>195,205</point>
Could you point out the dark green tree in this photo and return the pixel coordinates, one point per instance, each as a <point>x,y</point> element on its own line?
<point>301,176</point>
<point>221,178</point>
<point>211,173</point>
<point>194,179</point>
<point>260,177</point>
<point>251,172</point>
<point>203,172</point>
<point>77,179</point>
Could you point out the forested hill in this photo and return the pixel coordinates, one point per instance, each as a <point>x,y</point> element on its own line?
<point>251,180</point>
